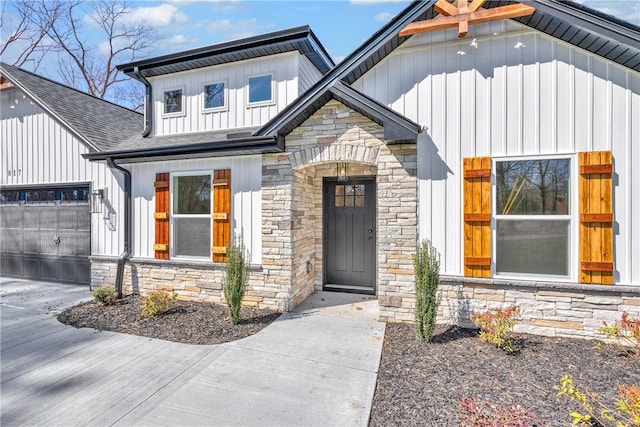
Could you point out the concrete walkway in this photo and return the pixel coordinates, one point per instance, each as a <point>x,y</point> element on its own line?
<point>315,366</point>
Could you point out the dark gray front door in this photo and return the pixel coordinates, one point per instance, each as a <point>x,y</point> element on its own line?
<point>350,234</point>
<point>46,234</point>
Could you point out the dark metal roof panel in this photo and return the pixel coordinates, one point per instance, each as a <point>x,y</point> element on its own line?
<point>301,39</point>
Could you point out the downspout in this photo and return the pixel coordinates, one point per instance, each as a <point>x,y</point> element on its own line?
<point>147,102</point>
<point>127,224</point>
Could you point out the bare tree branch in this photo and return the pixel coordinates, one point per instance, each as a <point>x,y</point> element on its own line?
<point>58,24</point>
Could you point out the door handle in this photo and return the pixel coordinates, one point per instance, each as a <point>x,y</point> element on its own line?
<point>56,240</point>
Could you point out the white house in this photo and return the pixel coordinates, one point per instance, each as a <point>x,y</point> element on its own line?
<point>506,136</point>
<point>48,230</point>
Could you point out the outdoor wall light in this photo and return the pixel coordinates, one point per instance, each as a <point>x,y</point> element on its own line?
<point>97,199</point>
<point>342,172</point>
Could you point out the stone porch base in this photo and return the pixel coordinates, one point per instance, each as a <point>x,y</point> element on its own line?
<point>546,308</point>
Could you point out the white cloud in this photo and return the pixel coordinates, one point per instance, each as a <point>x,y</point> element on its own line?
<point>626,10</point>
<point>156,16</point>
<point>383,16</point>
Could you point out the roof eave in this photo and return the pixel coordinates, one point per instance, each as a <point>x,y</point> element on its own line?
<point>241,146</point>
<point>291,34</point>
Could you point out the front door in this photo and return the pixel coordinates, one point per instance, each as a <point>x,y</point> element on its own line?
<point>350,235</point>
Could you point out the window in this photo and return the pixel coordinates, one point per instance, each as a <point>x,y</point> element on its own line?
<point>533,221</point>
<point>214,96</point>
<point>191,215</point>
<point>173,101</point>
<point>349,195</point>
<point>260,89</point>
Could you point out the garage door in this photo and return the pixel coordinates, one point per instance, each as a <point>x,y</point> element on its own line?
<point>45,233</point>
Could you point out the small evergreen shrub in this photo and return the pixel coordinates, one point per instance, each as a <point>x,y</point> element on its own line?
<point>474,413</point>
<point>496,327</point>
<point>426,266</point>
<point>236,275</point>
<point>105,295</point>
<point>157,302</point>
<point>626,332</point>
<point>625,412</point>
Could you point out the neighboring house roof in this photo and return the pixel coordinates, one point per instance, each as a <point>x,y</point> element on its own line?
<point>595,32</point>
<point>99,124</point>
<point>301,39</point>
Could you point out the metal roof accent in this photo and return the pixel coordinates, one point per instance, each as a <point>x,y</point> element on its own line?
<point>301,39</point>
<point>216,148</point>
<point>99,124</point>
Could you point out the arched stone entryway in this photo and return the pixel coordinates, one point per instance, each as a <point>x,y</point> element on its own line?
<point>292,202</point>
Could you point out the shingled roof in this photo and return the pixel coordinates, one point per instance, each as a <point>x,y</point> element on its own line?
<point>100,124</point>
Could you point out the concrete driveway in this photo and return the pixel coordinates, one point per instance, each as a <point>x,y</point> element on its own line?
<point>315,366</point>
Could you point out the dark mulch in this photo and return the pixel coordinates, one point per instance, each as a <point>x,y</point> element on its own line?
<point>422,384</point>
<point>187,322</point>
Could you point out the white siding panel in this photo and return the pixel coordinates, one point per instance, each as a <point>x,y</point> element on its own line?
<point>246,184</point>
<point>42,151</point>
<point>283,67</point>
<point>308,74</point>
<point>515,93</point>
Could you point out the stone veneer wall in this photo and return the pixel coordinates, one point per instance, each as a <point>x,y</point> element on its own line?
<point>193,281</point>
<point>336,133</point>
<point>551,309</point>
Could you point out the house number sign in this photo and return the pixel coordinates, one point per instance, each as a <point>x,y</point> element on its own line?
<point>15,172</point>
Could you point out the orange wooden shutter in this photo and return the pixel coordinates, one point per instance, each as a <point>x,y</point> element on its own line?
<point>161,215</point>
<point>596,217</point>
<point>221,214</point>
<point>477,216</point>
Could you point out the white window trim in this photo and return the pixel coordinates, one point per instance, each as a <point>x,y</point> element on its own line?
<point>271,101</point>
<point>184,102</point>
<point>573,219</point>
<point>172,246</point>
<point>225,94</point>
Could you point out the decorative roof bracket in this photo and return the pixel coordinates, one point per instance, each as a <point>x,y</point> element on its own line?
<point>462,13</point>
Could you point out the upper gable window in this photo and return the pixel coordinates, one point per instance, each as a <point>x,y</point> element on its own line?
<point>260,89</point>
<point>173,101</point>
<point>215,96</point>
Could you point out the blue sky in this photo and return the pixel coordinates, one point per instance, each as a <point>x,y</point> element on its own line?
<point>341,25</point>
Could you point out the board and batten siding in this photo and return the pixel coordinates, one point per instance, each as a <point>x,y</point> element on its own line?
<point>37,150</point>
<point>308,74</point>
<point>507,90</point>
<point>238,114</point>
<point>246,208</point>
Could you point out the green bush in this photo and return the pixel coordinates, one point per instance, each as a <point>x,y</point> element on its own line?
<point>105,295</point>
<point>157,302</point>
<point>426,266</point>
<point>236,275</point>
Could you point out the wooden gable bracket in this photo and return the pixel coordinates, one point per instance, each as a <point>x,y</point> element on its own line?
<point>461,13</point>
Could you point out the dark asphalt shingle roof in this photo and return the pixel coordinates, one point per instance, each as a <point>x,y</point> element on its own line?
<point>101,124</point>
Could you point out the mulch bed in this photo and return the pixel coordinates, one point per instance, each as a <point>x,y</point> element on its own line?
<point>422,384</point>
<point>186,322</point>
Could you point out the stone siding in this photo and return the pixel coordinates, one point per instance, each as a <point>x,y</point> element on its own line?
<point>192,281</point>
<point>551,309</point>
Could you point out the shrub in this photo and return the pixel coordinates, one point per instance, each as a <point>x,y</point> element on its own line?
<point>426,267</point>
<point>157,302</point>
<point>626,410</point>
<point>474,413</point>
<point>105,295</point>
<point>236,275</point>
<point>496,327</point>
<point>626,332</point>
